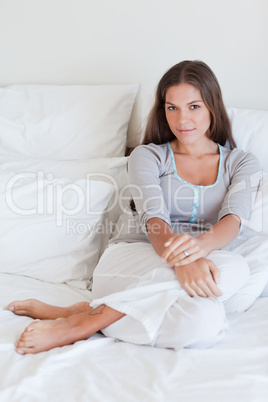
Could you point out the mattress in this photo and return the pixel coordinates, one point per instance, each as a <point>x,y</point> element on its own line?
<point>103,369</point>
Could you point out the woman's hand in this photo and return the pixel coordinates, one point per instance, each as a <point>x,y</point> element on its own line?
<point>182,249</point>
<point>200,278</point>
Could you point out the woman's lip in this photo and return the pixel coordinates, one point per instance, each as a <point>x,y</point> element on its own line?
<point>186,131</point>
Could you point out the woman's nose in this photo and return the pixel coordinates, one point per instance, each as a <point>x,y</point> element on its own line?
<point>183,116</point>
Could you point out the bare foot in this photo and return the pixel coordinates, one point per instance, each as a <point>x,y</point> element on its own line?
<point>45,335</point>
<point>36,309</point>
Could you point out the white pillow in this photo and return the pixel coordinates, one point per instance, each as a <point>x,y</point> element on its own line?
<point>250,131</point>
<point>65,122</point>
<point>49,228</point>
<point>254,250</point>
<point>257,225</point>
<point>114,168</point>
<point>111,170</point>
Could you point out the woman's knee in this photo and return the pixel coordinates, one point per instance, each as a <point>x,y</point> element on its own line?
<point>234,272</point>
<point>208,324</point>
<point>194,323</point>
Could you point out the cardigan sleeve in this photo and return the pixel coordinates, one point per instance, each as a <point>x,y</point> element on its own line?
<point>144,168</point>
<point>246,177</point>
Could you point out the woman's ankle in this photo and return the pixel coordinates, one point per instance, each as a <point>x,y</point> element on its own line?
<point>80,326</point>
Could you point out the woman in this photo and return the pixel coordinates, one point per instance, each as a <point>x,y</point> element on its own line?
<point>167,282</point>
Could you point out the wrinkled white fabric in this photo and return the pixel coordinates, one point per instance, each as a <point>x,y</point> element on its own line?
<point>132,279</point>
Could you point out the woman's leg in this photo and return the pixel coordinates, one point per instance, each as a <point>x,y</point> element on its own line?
<point>234,280</point>
<point>48,334</point>
<point>234,270</point>
<point>192,322</point>
<point>200,319</point>
<point>38,310</point>
<point>200,322</point>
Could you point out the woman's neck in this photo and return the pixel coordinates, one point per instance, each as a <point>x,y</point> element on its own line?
<point>195,150</point>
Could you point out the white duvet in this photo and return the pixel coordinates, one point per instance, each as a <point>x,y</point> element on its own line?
<point>102,369</point>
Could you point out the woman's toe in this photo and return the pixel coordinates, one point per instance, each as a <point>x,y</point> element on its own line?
<point>17,307</point>
<point>26,350</point>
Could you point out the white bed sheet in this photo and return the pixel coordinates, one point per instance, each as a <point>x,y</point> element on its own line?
<point>102,369</point>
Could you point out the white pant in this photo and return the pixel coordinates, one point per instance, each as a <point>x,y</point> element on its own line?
<point>158,311</point>
<point>203,319</point>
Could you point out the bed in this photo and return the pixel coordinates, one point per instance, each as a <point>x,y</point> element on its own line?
<point>63,191</point>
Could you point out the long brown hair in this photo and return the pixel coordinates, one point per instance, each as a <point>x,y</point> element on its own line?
<point>198,74</point>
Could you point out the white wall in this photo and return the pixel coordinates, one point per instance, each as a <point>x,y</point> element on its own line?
<point>122,41</point>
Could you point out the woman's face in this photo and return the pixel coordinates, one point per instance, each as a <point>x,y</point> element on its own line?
<point>186,113</point>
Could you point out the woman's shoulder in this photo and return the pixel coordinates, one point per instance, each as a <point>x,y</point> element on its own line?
<point>237,157</point>
<point>150,151</point>
<point>150,157</point>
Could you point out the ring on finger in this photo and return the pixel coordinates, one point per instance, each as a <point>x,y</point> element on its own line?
<point>186,254</point>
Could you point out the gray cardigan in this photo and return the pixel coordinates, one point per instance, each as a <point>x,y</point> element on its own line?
<point>158,191</point>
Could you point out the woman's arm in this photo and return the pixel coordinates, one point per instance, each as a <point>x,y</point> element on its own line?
<point>159,232</point>
<point>199,277</point>
<point>144,170</point>
<point>220,235</point>
<point>235,211</point>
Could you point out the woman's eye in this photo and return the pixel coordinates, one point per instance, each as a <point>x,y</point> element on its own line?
<point>193,107</point>
<point>172,108</point>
